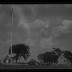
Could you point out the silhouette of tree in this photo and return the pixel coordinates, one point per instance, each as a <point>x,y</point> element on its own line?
<point>48,57</point>
<point>68,55</point>
<point>19,50</point>
<point>58,51</point>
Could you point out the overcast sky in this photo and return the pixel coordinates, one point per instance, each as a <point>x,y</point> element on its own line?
<point>41,12</point>
<point>64,13</point>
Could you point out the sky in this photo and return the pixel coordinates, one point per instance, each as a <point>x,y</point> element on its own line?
<point>57,17</point>
<point>63,38</point>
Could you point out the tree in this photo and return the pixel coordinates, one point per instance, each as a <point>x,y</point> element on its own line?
<point>19,50</point>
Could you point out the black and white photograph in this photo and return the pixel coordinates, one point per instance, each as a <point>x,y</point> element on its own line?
<point>35,36</point>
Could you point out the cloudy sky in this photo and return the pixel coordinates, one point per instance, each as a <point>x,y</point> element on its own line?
<point>60,26</point>
<point>56,17</point>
